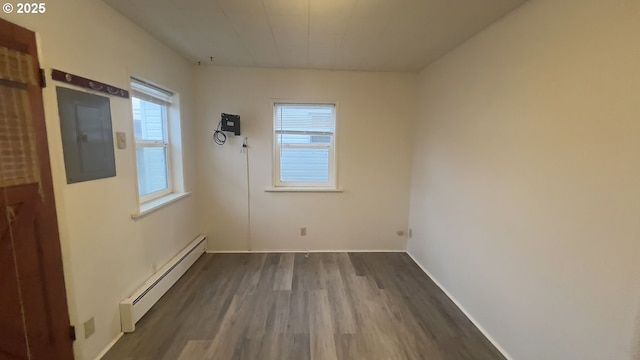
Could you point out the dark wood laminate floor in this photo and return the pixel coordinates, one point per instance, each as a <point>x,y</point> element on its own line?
<point>287,306</point>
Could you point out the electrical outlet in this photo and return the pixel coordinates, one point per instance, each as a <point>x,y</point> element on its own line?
<point>89,327</point>
<point>400,233</point>
<point>303,231</point>
<point>410,233</point>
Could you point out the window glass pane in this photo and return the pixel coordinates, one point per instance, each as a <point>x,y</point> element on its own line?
<point>291,139</point>
<point>152,169</point>
<point>320,139</point>
<point>305,118</point>
<point>148,120</point>
<point>304,165</point>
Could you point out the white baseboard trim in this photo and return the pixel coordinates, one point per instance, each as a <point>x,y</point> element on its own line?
<point>464,311</point>
<point>109,346</point>
<point>299,251</point>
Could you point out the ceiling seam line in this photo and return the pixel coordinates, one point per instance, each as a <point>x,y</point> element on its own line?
<point>273,36</point>
<point>308,33</point>
<point>344,33</point>
<point>238,34</point>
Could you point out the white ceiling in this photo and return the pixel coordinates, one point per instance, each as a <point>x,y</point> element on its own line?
<point>370,35</point>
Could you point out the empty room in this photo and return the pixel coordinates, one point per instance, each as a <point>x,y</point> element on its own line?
<point>320,179</point>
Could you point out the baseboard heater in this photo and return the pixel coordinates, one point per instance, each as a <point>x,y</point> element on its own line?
<point>134,307</point>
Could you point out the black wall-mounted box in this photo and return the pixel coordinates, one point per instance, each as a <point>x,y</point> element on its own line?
<point>230,123</point>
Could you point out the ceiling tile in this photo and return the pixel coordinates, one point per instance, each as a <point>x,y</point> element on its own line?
<point>324,41</point>
<point>283,41</point>
<point>287,7</point>
<point>239,5</point>
<point>328,25</point>
<point>377,9</point>
<point>362,34</point>
<point>250,22</point>
<point>200,5</point>
<point>331,7</point>
<point>289,24</point>
<point>366,27</point>
<point>207,21</point>
<point>261,47</point>
<point>294,56</point>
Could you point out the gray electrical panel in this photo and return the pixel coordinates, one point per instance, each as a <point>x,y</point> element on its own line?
<point>87,138</point>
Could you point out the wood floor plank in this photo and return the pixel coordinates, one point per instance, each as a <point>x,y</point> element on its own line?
<point>321,327</point>
<point>278,319</point>
<point>307,274</point>
<point>304,306</point>
<point>299,312</point>
<point>284,273</point>
<point>346,346</point>
<point>301,349</point>
<point>231,330</point>
<point>252,275</point>
<point>341,305</point>
<point>194,349</point>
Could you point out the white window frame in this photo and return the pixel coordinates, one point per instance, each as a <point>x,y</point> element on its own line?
<point>332,183</point>
<point>146,91</point>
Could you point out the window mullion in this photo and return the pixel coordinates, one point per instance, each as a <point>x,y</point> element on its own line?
<point>312,133</point>
<point>151,144</point>
<point>305,146</point>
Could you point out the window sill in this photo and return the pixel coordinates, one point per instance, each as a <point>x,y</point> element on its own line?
<point>302,189</point>
<point>153,205</point>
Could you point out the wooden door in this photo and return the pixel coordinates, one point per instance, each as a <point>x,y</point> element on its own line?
<point>34,318</point>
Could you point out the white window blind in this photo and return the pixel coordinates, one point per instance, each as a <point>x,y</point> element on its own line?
<point>150,93</point>
<point>304,143</point>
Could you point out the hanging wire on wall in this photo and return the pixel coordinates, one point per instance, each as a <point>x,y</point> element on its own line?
<point>219,137</point>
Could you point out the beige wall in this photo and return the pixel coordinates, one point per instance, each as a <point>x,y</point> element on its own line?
<point>525,195</point>
<point>375,111</point>
<point>106,254</point>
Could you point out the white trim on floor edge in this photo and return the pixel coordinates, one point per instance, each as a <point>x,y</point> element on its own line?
<point>109,346</point>
<point>299,251</point>
<point>464,311</point>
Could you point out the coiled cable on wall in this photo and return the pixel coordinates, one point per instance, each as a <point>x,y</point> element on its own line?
<point>219,137</point>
